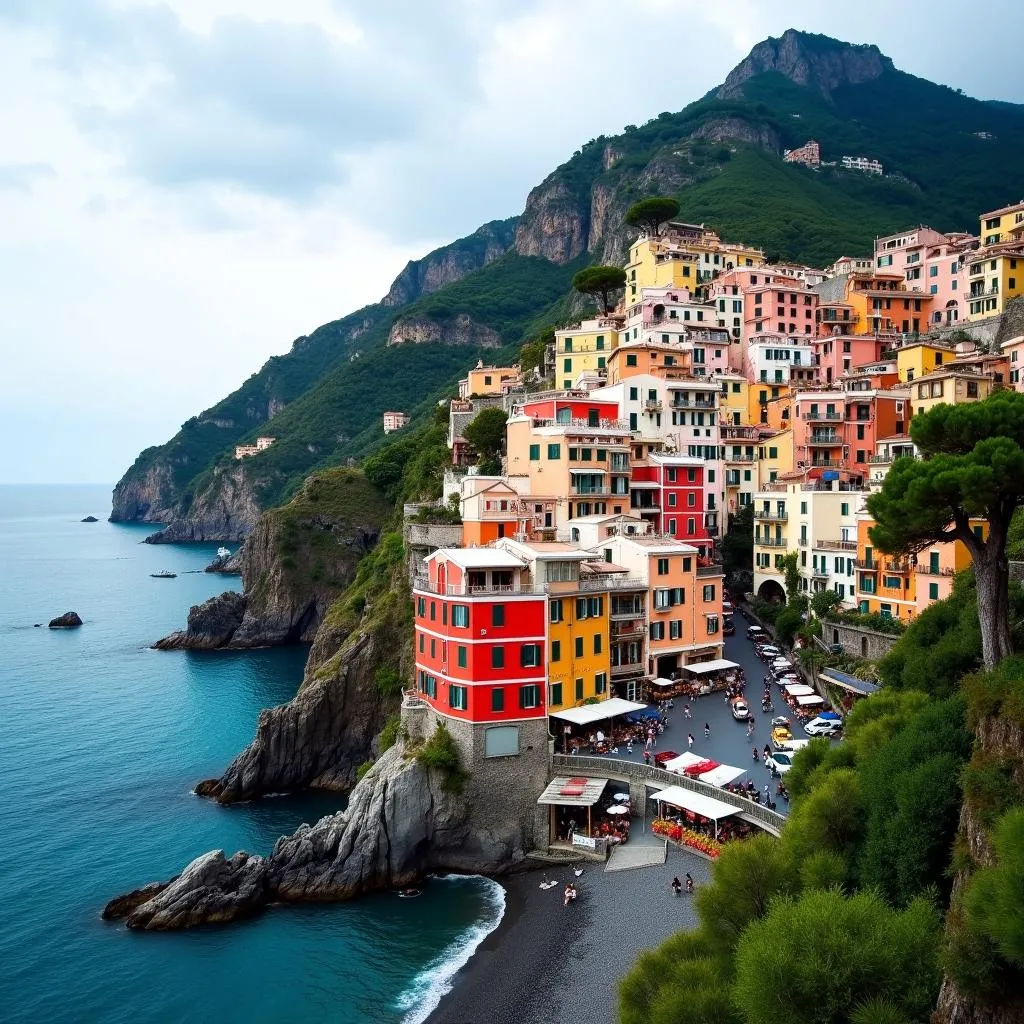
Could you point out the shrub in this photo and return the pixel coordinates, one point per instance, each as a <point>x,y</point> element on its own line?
<point>389,734</point>
<point>441,754</point>
<point>363,769</point>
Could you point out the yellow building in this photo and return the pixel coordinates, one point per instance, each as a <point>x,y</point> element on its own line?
<point>994,276</point>
<point>734,405</point>
<point>487,381</point>
<point>914,361</point>
<point>759,395</point>
<point>774,457</point>
<point>1002,225</point>
<point>951,386</point>
<point>583,349</point>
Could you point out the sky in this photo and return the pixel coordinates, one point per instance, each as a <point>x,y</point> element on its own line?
<point>188,186</point>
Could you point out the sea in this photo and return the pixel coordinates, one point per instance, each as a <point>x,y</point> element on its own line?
<point>101,743</point>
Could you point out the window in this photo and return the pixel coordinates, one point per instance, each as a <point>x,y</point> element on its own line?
<point>581,608</point>
<point>657,630</point>
<point>634,394</point>
<point>461,656</point>
<point>597,643</point>
<point>534,452</point>
<point>421,643</point>
<point>803,508</point>
<point>892,582</point>
<point>631,360</point>
<point>712,625</point>
<point>933,591</point>
<point>579,646</point>
<point>497,615</point>
<point>433,647</point>
<point>497,699</point>
<point>675,629</point>
<point>433,610</point>
<point>529,655</point>
<point>773,453</point>
<point>672,499</point>
<point>844,508</point>
<point>554,451</point>
<point>556,650</point>
<point>595,606</point>
<point>555,611</point>
<point>458,697</point>
<point>709,593</point>
<point>497,656</point>
<point>600,682</point>
<point>503,741</point>
<point>556,694</point>
<point>661,599</point>
<point>444,614</point>
<point>460,615</point>
<point>529,696</point>
<point>567,366</point>
<point>421,603</point>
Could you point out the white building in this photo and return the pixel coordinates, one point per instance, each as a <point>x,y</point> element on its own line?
<point>862,163</point>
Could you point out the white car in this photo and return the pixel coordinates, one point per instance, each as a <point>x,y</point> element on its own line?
<point>782,760</point>
<point>740,710</point>
<point>823,727</point>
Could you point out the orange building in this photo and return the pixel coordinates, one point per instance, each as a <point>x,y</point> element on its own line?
<point>492,508</point>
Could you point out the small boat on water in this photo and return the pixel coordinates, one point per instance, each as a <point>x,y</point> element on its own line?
<point>166,574</point>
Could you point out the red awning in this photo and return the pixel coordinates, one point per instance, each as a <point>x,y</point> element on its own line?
<point>700,768</point>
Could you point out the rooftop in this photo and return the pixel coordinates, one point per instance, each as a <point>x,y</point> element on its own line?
<point>477,558</point>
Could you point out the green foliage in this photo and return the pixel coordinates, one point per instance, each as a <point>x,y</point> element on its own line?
<point>486,432</point>
<point>362,769</point>
<point>870,620</point>
<point>994,903</point>
<point>816,956</point>
<point>767,611</point>
<point>389,734</point>
<point>1000,692</point>
<point>531,355</point>
<point>829,818</point>
<point>738,543</point>
<point>791,567</point>
<point>788,621</point>
<point>650,214</point>
<point>441,754</point>
<point>601,282</point>
<point>824,603</point>
<point>388,681</point>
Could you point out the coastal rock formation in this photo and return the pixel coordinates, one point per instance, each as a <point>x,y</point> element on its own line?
<point>816,61</point>
<point>146,493</point>
<point>90,519</point>
<point>457,330</point>
<point>452,262</point>
<point>229,565</point>
<point>211,624</point>
<point>69,620</point>
<point>225,510</point>
<point>401,822</point>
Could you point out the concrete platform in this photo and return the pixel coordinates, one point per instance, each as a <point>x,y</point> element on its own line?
<point>646,855</point>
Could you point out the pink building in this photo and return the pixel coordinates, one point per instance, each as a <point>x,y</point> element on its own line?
<point>394,421</point>
<point>836,354</point>
<point>809,154</point>
<point>1013,350</point>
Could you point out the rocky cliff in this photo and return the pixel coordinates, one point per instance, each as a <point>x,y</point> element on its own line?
<point>226,509</point>
<point>401,822</point>
<point>145,494</point>
<point>452,262</point>
<point>819,62</point>
<point>296,561</point>
<point>457,330</point>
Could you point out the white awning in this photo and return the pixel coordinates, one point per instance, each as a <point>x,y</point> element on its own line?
<point>663,682</point>
<point>644,485</point>
<point>721,775</point>
<point>706,806</point>
<point>588,713</point>
<point>677,764</point>
<point>799,689</point>
<point>810,701</point>
<point>704,667</point>
<point>782,663</point>
<point>589,472</point>
<point>579,792</point>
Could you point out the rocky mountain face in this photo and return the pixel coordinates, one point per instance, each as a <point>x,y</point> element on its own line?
<point>451,263</point>
<point>815,61</point>
<point>145,496</point>
<point>225,510</point>
<point>459,330</point>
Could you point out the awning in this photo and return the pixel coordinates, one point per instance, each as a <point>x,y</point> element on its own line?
<point>722,775</point>
<point>707,765</point>
<point>810,700</point>
<point>706,806</point>
<point>588,472</point>
<point>573,792</point>
<point>644,485</point>
<point>702,668</point>
<point>588,713</point>
<point>799,689</point>
<point>851,683</point>
<point>663,682</point>
<point>683,761</point>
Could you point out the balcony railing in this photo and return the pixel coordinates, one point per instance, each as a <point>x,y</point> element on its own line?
<point>590,492</point>
<point>626,631</point>
<point>652,406</point>
<point>769,542</point>
<point>829,415</point>
<point>767,513</point>
<point>896,565</point>
<point>740,458</point>
<point>831,440</point>
<point>882,459</point>
<point>583,426</point>
<point>939,570</point>
<point>824,464</point>
<point>868,565</point>
<point>711,570</point>
<point>835,545</point>
<point>627,670</point>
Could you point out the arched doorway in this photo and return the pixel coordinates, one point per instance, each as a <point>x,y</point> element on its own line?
<point>771,590</point>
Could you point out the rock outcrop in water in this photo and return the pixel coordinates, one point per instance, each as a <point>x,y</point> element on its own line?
<point>211,624</point>
<point>229,564</point>
<point>401,822</point>
<point>90,519</point>
<point>69,620</point>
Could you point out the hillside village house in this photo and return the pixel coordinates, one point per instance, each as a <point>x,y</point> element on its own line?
<point>245,451</point>
<point>394,421</point>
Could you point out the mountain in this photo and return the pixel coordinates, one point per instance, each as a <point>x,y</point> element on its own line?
<point>947,158</point>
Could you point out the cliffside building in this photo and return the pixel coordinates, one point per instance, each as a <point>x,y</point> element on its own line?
<point>809,154</point>
<point>245,451</point>
<point>394,421</point>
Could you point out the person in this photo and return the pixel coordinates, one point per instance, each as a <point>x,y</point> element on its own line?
<point>677,886</point>
<point>629,744</point>
<point>767,792</point>
<point>707,731</point>
<point>767,751</point>
<point>570,894</point>
<point>647,756</point>
<point>686,711</point>
<point>766,760</point>
<point>756,755</point>
<point>689,740</point>
<point>689,882</point>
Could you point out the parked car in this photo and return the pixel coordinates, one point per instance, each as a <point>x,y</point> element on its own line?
<point>753,632</point>
<point>728,625</point>
<point>781,761</point>
<point>740,710</point>
<point>781,732</point>
<point>823,727</point>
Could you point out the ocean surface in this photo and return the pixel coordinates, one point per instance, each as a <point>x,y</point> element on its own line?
<point>101,742</point>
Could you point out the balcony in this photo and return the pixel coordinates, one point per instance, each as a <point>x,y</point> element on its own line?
<point>630,669</point>
<point>896,565</point>
<point>773,514</point>
<point>829,416</point>
<point>711,570</point>
<point>866,564</point>
<point>830,440</point>
<point>740,458</point>
<point>823,464</point>
<point>482,590</point>
<point>692,403</point>
<point>652,406</point>
<point>612,581</point>
<point>769,542</point>
<point>590,492</point>
<point>897,454</point>
<point>939,570</point>
<point>627,630</point>
<point>835,545</point>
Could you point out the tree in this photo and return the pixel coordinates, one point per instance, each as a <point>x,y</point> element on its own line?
<point>789,620</point>
<point>995,900</point>
<point>972,468</point>
<point>738,543</point>
<point>486,433</point>
<point>824,602</point>
<point>812,658</point>
<point>816,957</point>
<point>650,214</point>
<point>792,569</point>
<point>601,282</point>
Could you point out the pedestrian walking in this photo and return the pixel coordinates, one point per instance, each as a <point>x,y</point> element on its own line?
<point>648,742</point>
<point>647,757</point>
<point>689,740</point>
<point>767,793</point>
<point>686,711</point>
<point>756,755</point>
<point>707,731</point>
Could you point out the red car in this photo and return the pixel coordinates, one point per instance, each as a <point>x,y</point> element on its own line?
<point>665,755</point>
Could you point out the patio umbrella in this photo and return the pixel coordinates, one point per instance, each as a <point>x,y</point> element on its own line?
<point>617,809</point>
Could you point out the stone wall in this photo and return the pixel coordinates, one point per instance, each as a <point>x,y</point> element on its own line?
<point>1017,572</point>
<point>423,539</point>
<point>858,641</point>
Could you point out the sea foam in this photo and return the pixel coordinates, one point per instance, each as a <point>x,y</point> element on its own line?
<point>435,981</point>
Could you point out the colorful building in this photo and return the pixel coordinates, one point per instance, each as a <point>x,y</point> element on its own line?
<point>918,358</point>
<point>951,386</point>
<point>584,350</point>
<point>489,381</point>
<point>492,508</point>
<point>1013,350</point>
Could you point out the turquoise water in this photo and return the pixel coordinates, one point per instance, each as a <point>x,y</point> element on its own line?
<point>101,742</point>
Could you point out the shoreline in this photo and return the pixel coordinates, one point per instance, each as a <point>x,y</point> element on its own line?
<point>545,961</point>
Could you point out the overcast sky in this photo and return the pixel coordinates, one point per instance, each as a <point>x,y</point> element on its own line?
<point>187,186</point>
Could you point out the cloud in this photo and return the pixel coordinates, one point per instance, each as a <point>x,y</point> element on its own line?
<point>23,176</point>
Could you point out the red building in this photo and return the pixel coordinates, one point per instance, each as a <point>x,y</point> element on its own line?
<point>583,411</point>
<point>668,492</point>
<point>480,637</point>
